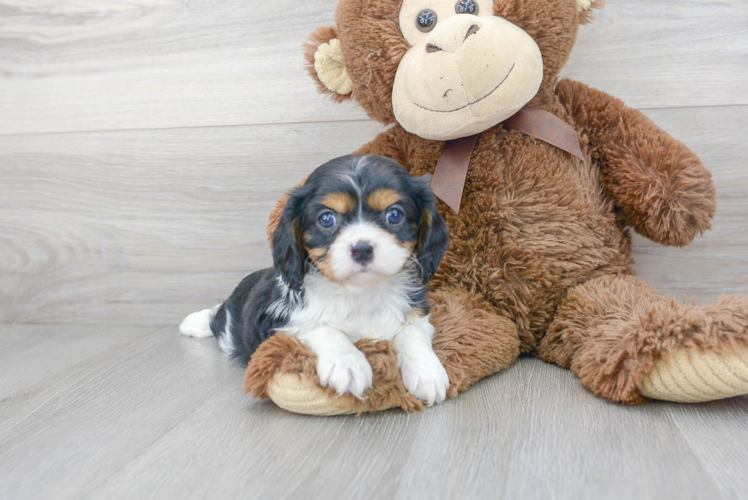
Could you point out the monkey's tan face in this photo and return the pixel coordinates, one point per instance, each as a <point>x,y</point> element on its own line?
<point>464,72</point>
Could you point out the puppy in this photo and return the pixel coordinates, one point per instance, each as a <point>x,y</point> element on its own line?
<point>354,250</point>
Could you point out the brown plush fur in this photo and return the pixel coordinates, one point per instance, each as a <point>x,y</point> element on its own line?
<point>611,330</point>
<point>669,204</point>
<point>471,340</point>
<point>587,16</point>
<point>540,257</point>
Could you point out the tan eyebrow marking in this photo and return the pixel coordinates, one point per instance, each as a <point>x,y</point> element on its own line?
<point>382,198</point>
<point>340,202</point>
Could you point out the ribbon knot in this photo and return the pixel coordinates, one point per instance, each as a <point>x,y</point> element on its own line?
<point>449,177</point>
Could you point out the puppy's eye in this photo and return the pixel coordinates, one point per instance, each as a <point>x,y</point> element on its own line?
<point>426,20</point>
<point>394,216</point>
<point>327,220</point>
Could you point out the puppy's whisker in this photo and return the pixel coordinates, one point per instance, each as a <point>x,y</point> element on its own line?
<point>413,263</point>
<point>311,266</point>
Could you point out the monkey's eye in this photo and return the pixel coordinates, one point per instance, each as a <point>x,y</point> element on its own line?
<point>466,7</point>
<point>394,216</point>
<point>327,220</point>
<point>426,20</point>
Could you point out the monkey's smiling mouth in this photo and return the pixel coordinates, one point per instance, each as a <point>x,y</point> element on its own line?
<point>470,103</point>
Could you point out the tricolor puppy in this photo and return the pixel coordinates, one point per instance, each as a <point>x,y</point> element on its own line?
<point>352,255</point>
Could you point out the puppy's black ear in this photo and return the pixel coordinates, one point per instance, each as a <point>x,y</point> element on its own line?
<point>433,237</point>
<point>289,256</point>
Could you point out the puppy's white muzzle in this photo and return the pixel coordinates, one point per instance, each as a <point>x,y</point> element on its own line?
<point>363,254</point>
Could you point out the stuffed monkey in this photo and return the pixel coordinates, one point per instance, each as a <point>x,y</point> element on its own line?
<point>541,180</point>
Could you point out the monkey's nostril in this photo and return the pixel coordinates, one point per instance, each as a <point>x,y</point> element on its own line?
<point>430,47</point>
<point>472,31</point>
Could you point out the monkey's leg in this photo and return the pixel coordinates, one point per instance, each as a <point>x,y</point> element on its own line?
<point>628,343</point>
<point>471,341</point>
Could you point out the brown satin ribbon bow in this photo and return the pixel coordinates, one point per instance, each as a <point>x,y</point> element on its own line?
<point>451,169</point>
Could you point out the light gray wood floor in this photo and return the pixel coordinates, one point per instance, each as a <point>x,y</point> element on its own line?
<point>140,412</point>
<point>142,144</point>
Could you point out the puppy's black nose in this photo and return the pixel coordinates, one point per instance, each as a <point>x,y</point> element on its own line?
<point>362,252</point>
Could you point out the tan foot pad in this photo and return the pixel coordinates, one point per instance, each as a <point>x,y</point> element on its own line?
<point>301,395</point>
<point>695,376</point>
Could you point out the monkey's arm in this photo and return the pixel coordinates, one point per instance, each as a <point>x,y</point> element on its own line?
<point>385,144</point>
<point>664,191</point>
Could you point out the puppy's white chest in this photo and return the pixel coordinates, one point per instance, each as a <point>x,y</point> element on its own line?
<point>376,312</point>
<point>360,319</point>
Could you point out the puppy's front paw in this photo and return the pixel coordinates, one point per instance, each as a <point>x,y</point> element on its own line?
<point>424,377</point>
<point>345,371</point>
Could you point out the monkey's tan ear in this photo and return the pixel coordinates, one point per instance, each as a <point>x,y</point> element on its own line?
<point>585,9</point>
<point>324,57</point>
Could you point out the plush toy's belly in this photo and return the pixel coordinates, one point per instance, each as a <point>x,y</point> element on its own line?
<point>534,222</point>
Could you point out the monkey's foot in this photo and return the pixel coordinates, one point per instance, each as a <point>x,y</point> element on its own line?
<point>285,371</point>
<point>304,395</point>
<point>693,375</point>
